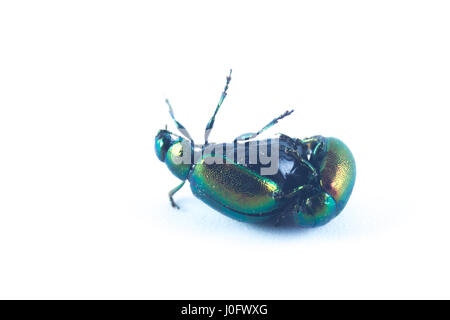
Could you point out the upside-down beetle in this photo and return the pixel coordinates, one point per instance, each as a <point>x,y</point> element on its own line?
<point>311,185</point>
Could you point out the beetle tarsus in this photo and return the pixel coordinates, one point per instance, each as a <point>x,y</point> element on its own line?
<point>173,203</point>
<point>172,192</point>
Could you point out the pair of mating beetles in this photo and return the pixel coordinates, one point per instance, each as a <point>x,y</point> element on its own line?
<point>310,185</point>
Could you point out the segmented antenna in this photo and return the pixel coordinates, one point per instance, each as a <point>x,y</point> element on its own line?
<point>210,124</point>
<point>180,127</point>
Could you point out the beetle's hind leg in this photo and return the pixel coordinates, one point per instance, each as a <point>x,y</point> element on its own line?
<point>172,192</point>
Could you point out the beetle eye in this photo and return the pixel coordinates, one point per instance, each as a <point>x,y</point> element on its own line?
<point>162,144</point>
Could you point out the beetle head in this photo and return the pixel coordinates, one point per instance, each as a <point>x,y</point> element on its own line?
<point>163,140</point>
<point>175,151</point>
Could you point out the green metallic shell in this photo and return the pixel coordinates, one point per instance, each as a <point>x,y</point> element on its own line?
<point>234,190</point>
<point>243,194</point>
<point>174,154</point>
<point>317,211</point>
<point>338,172</point>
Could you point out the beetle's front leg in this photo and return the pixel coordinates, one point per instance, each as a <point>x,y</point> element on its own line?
<point>172,192</point>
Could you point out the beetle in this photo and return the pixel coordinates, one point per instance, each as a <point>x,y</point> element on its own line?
<point>311,184</point>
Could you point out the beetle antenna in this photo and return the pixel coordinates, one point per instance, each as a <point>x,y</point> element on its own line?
<point>210,124</point>
<point>180,127</point>
<point>247,136</point>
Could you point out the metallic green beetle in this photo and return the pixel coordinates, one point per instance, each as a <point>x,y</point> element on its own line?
<point>308,183</point>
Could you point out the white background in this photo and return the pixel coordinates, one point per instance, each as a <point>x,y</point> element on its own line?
<point>84,211</point>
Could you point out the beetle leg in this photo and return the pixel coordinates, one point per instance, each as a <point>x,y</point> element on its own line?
<point>172,192</point>
<point>247,136</point>
<point>210,124</point>
<point>300,191</point>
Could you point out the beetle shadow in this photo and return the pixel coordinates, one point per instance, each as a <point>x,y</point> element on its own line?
<point>273,227</point>
<point>200,216</point>
<point>279,231</point>
<point>351,226</point>
<point>279,228</point>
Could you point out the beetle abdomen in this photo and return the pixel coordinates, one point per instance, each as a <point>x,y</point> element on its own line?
<point>338,172</point>
<point>234,190</point>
